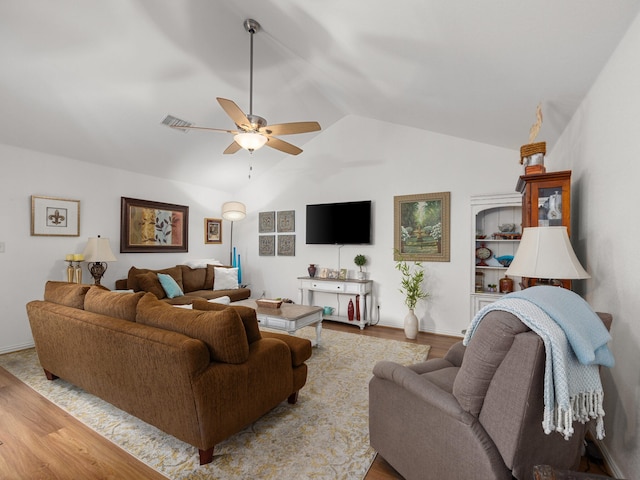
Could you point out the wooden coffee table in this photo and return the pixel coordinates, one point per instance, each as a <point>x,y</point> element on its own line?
<point>289,317</point>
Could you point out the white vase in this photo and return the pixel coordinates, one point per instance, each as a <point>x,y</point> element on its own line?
<point>411,325</point>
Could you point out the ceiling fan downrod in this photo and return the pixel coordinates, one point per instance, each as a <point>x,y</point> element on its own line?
<point>253,27</point>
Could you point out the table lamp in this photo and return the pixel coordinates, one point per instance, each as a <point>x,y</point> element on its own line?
<point>98,253</point>
<point>545,253</point>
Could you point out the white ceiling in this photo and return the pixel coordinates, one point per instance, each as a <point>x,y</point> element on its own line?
<point>92,80</point>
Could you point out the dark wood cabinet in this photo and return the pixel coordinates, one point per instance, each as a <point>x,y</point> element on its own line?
<point>546,199</point>
<point>546,202</point>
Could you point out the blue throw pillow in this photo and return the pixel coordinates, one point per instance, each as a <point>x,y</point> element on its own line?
<point>170,286</point>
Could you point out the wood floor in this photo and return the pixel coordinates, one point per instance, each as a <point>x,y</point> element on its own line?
<point>38,440</point>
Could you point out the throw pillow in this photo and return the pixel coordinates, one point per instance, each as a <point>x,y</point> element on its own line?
<point>222,332</point>
<point>148,282</point>
<point>169,285</point>
<point>64,293</point>
<point>132,282</point>
<point>225,278</point>
<point>114,304</point>
<point>247,314</point>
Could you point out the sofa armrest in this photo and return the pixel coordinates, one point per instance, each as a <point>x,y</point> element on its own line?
<point>455,354</point>
<point>300,347</point>
<point>422,388</point>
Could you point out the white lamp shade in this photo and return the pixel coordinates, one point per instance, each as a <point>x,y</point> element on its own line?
<point>546,252</point>
<point>234,211</point>
<point>250,140</point>
<point>98,250</point>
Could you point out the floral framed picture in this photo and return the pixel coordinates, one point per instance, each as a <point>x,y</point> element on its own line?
<point>212,230</point>
<point>153,227</point>
<point>52,216</point>
<point>421,227</point>
<point>287,245</point>
<point>266,245</point>
<point>266,222</point>
<point>287,221</point>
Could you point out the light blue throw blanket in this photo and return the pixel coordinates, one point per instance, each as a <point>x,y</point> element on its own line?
<point>575,341</point>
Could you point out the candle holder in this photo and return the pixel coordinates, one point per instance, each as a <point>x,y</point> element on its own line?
<point>78,273</point>
<point>70,271</point>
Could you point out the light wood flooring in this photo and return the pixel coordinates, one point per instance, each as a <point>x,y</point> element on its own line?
<point>38,440</point>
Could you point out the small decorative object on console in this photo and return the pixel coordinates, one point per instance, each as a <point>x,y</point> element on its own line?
<point>267,303</point>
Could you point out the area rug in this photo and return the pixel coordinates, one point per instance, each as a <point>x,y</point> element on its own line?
<point>324,436</point>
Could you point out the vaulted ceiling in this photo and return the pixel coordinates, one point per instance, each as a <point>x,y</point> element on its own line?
<point>92,80</point>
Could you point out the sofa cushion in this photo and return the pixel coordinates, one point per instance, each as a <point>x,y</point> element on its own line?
<point>225,278</point>
<point>222,332</point>
<point>484,354</point>
<point>247,314</point>
<point>132,282</point>
<point>149,282</point>
<point>193,278</point>
<point>113,304</point>
<point>64,293</point>
<point>169,285</point>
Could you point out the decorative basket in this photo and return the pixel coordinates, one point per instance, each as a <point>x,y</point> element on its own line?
<point>266,303</point>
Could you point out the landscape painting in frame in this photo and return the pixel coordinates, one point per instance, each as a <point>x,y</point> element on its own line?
<point>153,227</point>
<point>421,227</point>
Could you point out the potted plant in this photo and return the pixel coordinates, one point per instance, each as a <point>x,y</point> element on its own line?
<point>360,261</point>
<point>411,288</point>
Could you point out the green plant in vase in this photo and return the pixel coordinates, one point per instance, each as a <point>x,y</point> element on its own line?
<point>411,288</point>
<point>360,261</point>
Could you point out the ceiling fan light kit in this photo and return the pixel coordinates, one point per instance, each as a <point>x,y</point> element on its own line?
<point>252,132</point>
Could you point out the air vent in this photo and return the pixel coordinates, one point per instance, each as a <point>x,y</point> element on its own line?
<point>176,123</point>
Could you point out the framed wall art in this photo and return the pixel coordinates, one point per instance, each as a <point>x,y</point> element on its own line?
<point>153,227</point>
<point>52,216</point>
<point>266,222</point>
<point>212,230</point>
<point>287,221</point>
<point>421,227</point>
<point>266,245</point>
<point>287,245</point>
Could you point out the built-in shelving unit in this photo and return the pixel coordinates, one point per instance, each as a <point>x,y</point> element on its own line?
<point>488,212</point>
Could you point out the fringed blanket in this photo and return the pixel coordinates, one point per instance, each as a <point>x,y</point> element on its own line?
<point>572,386</point>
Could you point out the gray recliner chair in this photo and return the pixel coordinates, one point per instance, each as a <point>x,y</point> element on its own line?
<point>476,413</point>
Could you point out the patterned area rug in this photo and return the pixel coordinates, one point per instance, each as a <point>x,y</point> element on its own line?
<point>324,436</point>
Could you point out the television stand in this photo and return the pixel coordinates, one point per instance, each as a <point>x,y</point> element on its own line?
<point>309,285</point>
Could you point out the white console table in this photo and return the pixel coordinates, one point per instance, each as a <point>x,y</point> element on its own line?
<point>308,285</point>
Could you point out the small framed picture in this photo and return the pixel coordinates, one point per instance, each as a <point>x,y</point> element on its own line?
<point>324,272</point>
<point>343,274</point>
<point>55,217</point>
<point>287,245</point>
<point>212,230</point>
<point>266,245</point>
<point>333,274</point>
<point>266,222</point>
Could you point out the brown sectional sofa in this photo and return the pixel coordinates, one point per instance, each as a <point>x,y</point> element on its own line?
<point>194,282</point>
<point>199,375</point>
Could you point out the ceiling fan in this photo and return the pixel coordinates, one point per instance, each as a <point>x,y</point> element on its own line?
<point>252,131</point>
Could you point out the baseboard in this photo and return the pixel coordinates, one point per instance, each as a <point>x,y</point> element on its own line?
<point>15,348</point>
<point>610,464</point>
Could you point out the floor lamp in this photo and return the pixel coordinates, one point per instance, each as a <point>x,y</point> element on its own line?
<point>233,211</point>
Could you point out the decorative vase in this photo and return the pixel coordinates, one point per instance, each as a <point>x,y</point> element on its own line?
<point>312,270</point>
<point>411,325</point>
<point>350,310</point>
<point>358,308</point>
<point>360,275</point>
<point>239,271</point>
<point>78,274</point>
<point>70,272</point>
<point>506,285</point>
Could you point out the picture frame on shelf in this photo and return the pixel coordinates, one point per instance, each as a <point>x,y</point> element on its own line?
<point>422,227</point>
<point>153,227</point>
<point>324,273</point>
<point>55,217</point>
<point>212,230</point>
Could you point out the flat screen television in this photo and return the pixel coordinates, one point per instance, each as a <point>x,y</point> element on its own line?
<point>347,223</point>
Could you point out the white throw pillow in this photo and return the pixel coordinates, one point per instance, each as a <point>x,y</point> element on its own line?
<point>202,262</point>
<point>225,278</point>
<point>222,300</point>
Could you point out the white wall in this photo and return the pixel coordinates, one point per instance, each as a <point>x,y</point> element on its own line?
<point>602,149</point>
<point>363,159</point>
<point>29,261</point>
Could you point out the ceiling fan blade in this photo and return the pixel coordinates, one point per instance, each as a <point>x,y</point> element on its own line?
<point>237,115</point>
<point>233,148</point>
<point>207,128</point>
<point>290,128</point>
<point>283,146</point>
